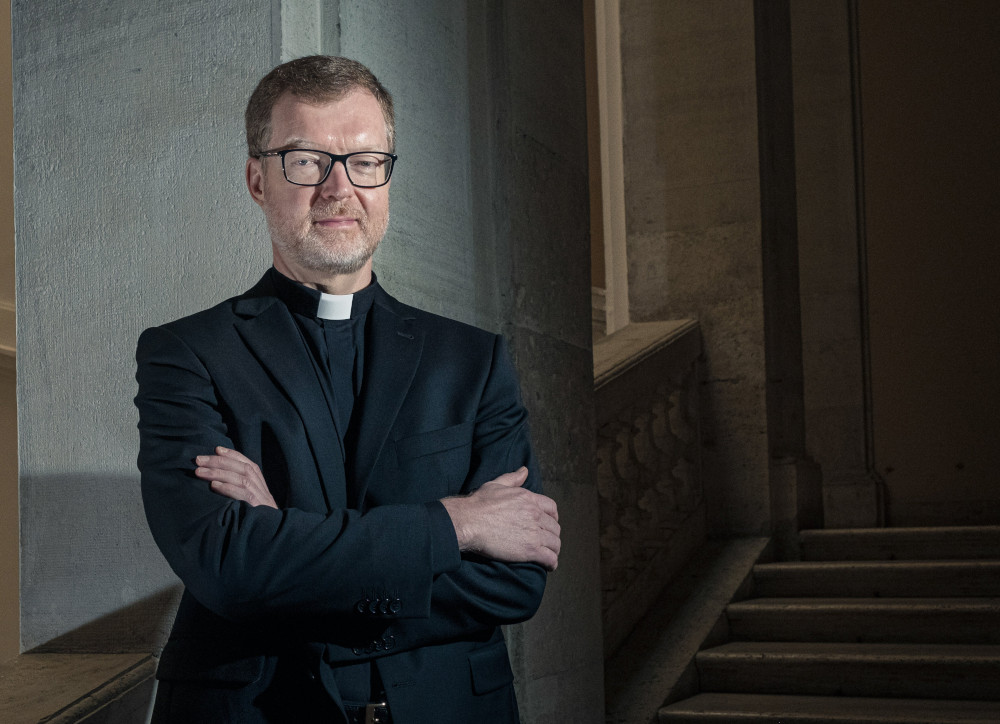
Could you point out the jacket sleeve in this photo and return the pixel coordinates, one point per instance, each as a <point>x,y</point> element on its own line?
<point>244,562</point>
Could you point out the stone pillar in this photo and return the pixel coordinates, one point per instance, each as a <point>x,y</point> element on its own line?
<point>796,487</point>
<point>539,141</point>
<point>831,254</point>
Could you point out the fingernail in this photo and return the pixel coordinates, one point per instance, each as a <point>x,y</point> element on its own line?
<point>201,459</point>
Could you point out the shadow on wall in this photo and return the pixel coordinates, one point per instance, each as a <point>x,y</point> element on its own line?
<point>141,627</point>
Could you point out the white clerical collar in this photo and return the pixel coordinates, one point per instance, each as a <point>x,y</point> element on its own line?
<point>334,306</point>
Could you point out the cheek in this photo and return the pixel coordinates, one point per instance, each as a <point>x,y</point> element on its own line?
<point>287,208</point>
<point>378,209</point>
<point>376,205</point>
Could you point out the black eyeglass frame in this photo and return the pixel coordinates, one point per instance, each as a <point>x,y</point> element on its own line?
<point>334,157</point>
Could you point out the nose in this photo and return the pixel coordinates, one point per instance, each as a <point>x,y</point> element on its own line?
<point>337,185</point>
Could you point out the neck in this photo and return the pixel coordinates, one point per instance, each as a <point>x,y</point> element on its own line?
<point>328,283</point>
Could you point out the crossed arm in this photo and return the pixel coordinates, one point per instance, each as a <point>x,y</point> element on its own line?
<point>501,520</point>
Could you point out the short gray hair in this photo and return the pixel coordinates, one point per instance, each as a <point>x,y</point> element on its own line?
<point>315,78</point>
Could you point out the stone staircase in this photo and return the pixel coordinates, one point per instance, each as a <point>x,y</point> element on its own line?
<point>881,625</point>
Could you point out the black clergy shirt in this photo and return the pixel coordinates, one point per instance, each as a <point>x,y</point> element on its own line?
<point>337,350</point>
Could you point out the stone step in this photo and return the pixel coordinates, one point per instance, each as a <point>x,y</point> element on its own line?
<point>737,708</point>
<point>956,543</point>
<point>868,620</point>
<point>824,669</point>
<point>872,579</point>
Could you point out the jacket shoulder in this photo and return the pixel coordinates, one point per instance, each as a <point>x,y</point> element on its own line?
<point>216,320</point>
<point>437,325</point>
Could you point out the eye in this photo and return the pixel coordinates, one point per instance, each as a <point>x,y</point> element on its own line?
<point>365,164</point>
<point>303,160</point>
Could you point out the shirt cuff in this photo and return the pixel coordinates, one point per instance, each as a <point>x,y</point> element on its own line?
<point>445,555</point>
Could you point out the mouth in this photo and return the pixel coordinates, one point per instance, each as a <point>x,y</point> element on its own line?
<point>336,222</point>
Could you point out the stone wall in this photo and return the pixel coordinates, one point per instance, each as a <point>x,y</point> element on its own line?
<point>694,224</point>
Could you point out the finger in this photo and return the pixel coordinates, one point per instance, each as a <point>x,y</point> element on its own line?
<point>235,492</point>
<point>548,505</point>
<point>549,525</point>
<point>554,543</point>
<point>513,480</point>
<point>233,455</point>
<point>229,469</point>
<point>229,477</point>
<point>241,492</point>
<point>217,462</point>
<point>548,559</point>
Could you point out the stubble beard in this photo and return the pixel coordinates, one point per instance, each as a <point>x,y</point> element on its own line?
<point>329,251</point>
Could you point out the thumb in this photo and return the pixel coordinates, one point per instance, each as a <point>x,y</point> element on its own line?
<point>513,480</point>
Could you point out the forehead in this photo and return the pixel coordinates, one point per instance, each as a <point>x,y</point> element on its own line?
<point>354,119</point>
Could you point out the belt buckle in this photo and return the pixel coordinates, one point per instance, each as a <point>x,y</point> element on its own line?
<point>371,713</point>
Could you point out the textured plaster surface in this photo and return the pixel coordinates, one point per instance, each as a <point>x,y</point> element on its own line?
<point>420,55</point>
<point>129,210</point>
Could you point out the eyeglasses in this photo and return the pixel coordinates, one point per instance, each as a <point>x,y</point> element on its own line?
<point>306,167</point>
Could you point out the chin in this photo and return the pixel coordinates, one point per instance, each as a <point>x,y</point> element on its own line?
<point>338,263</point>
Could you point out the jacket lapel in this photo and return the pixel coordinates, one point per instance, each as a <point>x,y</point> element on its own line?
<point>270,332</point>
<point>394,345</point>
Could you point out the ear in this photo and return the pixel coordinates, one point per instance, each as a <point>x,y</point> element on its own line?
<point>255,179</point>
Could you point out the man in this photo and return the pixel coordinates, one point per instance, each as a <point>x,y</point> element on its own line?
<point>344,484</point>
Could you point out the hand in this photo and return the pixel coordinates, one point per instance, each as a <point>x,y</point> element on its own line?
<point>505,522</point>
<point>235,476</point>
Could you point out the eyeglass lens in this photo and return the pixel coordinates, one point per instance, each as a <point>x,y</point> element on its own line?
<point>310,168</point>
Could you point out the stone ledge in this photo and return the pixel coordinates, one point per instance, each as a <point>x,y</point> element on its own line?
<point>64,688</point>
<point>632,344</point>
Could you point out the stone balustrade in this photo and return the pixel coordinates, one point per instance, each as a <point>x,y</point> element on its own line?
<point>648,465</point>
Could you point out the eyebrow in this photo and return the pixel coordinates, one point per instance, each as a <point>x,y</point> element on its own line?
<point>297,143</point>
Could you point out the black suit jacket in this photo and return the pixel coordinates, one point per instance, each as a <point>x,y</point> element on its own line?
<point>274,598</point>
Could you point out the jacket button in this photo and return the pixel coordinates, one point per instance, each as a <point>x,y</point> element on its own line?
<point>396,606</point>
<point>361,606</point>
<point>356,651</point>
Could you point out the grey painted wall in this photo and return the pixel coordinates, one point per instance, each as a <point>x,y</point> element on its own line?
<point>130,210</point>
